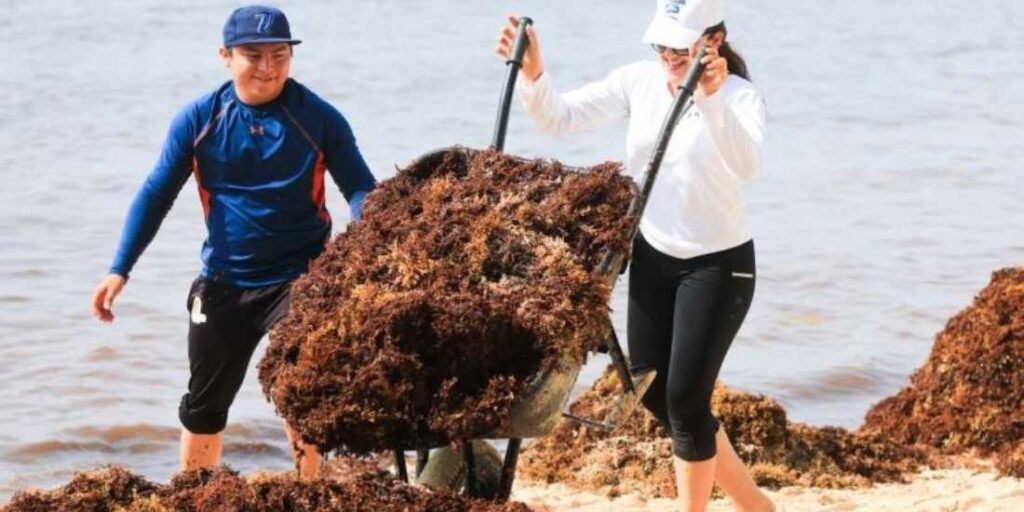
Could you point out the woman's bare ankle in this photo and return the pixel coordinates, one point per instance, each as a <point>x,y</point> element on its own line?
<point>765,504</point>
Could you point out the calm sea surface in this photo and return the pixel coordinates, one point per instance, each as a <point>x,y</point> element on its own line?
<point>892,188</point>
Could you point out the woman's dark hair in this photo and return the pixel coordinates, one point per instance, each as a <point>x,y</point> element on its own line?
<point>737,66</point>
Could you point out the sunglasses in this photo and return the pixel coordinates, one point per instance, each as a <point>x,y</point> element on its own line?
<point>662,49</point>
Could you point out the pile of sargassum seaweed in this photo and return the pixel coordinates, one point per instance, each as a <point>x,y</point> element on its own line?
<point>114,488</point>
<point>637,457</point>
<point>468,274</point>
<point>968,397</point>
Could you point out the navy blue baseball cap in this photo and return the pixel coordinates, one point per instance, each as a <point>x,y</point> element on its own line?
<point>257,24</point>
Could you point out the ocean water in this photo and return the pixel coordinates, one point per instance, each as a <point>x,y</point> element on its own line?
<point>891,190</point>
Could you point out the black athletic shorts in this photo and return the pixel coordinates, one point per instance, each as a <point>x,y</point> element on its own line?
<point>225,325</point>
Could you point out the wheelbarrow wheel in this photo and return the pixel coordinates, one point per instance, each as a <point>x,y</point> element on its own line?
<point>445,469</point>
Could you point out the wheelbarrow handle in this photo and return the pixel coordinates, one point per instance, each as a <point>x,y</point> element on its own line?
<point>514,63</point>
<point>610,265</point>
<point>681,104</point>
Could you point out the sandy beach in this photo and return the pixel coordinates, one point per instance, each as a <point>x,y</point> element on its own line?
<point>946,490</point>
<point>971,486</point>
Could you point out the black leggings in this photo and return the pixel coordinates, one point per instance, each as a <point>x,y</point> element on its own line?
<point>683,316</point>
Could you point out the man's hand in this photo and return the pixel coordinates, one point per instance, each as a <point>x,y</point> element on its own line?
<point>104,296</point>
<point>533,64</point>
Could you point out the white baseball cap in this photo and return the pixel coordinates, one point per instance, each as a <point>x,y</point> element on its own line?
<point>678,23</point>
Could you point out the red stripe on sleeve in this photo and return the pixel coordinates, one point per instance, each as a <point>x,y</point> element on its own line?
<point>318,187</point>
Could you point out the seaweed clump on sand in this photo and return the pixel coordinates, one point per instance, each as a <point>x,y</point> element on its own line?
<point>469,273</point>
<point>104,489</point>
<point>1011,462</point>
<point>969,395</point>
<point>224,490</point>
<point>637,457</point>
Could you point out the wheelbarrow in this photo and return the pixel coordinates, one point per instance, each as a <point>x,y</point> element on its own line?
<point>479,467</point>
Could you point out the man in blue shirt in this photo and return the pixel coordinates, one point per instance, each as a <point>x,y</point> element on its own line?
<point>258,147</point>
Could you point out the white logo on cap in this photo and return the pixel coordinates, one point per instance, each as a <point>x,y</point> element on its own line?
<point>673,6</point>
<point>265,20</point>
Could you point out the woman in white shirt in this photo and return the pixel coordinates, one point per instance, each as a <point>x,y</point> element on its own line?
<point>692,270</point>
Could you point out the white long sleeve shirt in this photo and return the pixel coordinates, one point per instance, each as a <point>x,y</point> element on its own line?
<point>696,206</point>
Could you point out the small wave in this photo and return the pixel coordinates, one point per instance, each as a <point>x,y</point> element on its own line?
<point>246,433</point>
<point>104,353</point>
<point>844,381</point>
<point>26,272</point>
<point>806,319</point>
<point>53,447</point>
<point>849,380</point>
<point>138,439</point>
<point>253,449</point>
<point>146,448</point>
<point>123,433</point>
<point>255,430</point>
<point>134,439</point>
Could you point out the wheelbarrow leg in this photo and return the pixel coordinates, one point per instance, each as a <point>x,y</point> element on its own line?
<point>470,463</point>
<point>508,469</point>
<point>422,456</point>
<point>403,473</point>
<point>619,359</point>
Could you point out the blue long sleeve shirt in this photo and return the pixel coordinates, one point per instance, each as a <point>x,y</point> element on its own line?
<point>260,173</point>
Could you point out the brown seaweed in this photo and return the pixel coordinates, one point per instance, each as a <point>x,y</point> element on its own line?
<point>105,489</point>
<point>223,490</point>
<point>969,394</point>
<point>967,398</point>
<point>638,456</point>
<point>1011,462</point>
<point>424,321</point>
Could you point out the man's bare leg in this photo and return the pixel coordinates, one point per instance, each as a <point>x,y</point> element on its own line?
<point>200,450</point>
<point>306,456</point>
